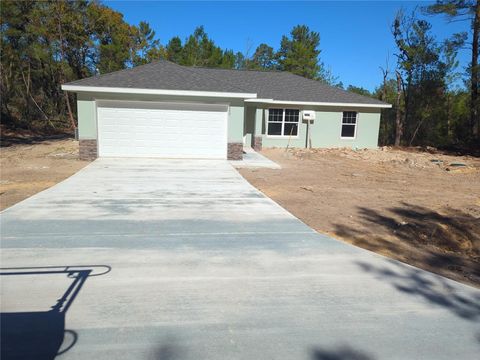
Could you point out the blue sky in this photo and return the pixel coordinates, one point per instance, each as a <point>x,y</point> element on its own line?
<point>355,35</point>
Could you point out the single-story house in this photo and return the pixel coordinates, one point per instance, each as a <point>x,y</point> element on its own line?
<point>163,109</point>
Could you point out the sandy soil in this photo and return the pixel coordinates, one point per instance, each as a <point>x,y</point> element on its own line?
<point>412,206</point>
<point>29,168</point>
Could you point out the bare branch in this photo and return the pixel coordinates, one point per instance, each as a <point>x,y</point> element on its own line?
<point>27,85</point>
<point>458,20</point>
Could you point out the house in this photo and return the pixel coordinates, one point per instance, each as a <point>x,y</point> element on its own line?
<point>166,110</point>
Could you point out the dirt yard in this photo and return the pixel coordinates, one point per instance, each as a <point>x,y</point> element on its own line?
<point>416,207</point>
<point>29,168</point>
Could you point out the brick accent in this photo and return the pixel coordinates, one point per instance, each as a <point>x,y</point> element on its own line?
<point>87,149</point>
<point>257,143</point>
<point>235,151</point>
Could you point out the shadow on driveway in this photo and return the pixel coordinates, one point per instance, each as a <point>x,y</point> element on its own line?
<point>344,352</point>
<point>435,290</point>
<point>41,334</point>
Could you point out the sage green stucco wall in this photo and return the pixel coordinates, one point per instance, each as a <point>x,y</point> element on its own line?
<point>259,115</point>
<point>87,124</point>
<point>235,123</point>
<point>326,129</point>
<point>249,124</point>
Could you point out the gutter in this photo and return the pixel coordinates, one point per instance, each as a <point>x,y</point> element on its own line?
<point>308,103</point>
<point>119,90</point>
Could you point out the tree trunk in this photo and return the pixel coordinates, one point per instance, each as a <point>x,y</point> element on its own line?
<point>384,115</point>
<point>62,74</point>
<point>398,116</point>
<point>69,109</point>
<point>416,130</point>
<point>406,91</point>
<point>449,116</point>
<point>474,112</point>
<point>26,96</point>
<point>385,78</point>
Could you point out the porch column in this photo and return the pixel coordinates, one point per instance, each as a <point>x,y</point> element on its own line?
<point>257,137</point>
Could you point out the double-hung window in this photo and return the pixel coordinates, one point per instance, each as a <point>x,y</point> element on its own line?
<point>349,124</point>
<point>283,122</point>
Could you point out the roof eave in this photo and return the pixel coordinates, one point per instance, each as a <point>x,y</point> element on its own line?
<point>320,103</point>
<point>122,90</point>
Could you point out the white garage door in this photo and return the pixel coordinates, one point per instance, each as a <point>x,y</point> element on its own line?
<point>162,130</point>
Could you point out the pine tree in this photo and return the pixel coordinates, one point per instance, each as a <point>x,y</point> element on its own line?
<point>174,50</point>
<point>299,53</point>
<point>469,10</point>
<point>263,58</point>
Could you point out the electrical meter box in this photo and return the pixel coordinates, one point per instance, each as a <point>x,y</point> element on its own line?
<point>308,115</point>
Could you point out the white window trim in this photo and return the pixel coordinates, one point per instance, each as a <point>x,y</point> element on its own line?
<point>283,124</point>
<point>356,126</point>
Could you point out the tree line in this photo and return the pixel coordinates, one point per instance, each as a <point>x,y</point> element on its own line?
<point>47,43</point>
<point>430,108</point>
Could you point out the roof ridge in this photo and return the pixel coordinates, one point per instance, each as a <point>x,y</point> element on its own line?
<point>232,69</point>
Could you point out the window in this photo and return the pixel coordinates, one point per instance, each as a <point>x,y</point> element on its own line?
<point>275,122</point>
<point>283,122</point>
<point>349,124</point>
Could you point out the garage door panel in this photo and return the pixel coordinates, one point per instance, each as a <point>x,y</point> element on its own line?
<point>162,130</point>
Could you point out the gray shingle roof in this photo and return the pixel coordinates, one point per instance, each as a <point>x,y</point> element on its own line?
<point>275,85</point>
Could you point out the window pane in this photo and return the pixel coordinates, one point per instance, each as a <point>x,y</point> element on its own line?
<point>349,117</point>
<point>290,129</point>
<point>275,115</point>
<point>274,128</point>
<point>348,130</point>
<point>291,115</point>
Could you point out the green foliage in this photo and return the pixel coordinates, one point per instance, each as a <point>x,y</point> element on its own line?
<point>43,45</point>
<point>299,53</point>
<point>358,90</point>
<point>387,92</point>
<point>428,69</point>
<point>264,58</point>
<point>174,50</point>
<point>452,8</point>
<point>146,48</point>
<point>240,61</point>
<point>458,116</point>
<point>466,10</point>
<point>200,50</point>
<point>228,60</point>
<point>47,43</point>
<point>115,39</point>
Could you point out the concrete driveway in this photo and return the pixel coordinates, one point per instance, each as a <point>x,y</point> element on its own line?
<point>165,259</point>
